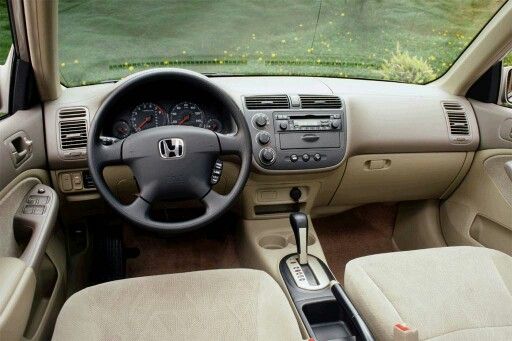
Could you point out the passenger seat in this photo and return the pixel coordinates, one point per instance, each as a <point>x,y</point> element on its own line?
<point>451,293</point>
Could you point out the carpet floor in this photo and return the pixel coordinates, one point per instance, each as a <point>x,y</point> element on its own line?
<point>212,247</point>
<point>362,231</point>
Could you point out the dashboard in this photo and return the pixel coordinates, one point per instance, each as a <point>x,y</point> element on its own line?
<point>150,113</point>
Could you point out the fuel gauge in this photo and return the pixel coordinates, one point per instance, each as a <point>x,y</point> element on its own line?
<point>121,129</point>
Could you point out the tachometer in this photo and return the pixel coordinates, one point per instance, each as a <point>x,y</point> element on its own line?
<point>147,115</point>
<point>187,113</point>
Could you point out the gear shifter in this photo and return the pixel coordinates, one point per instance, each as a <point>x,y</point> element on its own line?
<point>299,222</point>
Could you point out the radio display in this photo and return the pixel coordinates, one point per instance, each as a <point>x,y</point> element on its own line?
<point>307,123</point>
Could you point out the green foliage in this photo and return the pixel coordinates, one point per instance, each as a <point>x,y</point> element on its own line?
<point>5,32</point>
<point>508,60</point>
<point>406,68</point>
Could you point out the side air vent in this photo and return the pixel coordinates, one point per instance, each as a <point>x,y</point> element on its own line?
<point>320,102</point>
<point>72,113</point>
<point>73,124</point>
<point>457,121</point>
<point>267,102</point>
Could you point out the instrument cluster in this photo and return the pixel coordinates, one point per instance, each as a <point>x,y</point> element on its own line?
<point>147,115</point>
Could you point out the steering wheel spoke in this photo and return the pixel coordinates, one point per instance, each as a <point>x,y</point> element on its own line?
<point>213,201</point>
<point>139,207</point>
<point>107,155</point>
<point>230,144</point>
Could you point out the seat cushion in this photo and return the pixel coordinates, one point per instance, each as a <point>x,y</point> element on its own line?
<point>237,304</point>
<point>451,293</point>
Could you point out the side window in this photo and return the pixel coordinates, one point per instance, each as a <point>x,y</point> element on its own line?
<point>5,37</point>
<point>5,32</point>
<point>508,59</point>
<point>507,65</point>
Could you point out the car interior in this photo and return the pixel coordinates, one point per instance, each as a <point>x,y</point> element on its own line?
<point>163,179</point>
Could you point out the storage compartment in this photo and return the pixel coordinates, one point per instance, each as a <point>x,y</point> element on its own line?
<point>280,241</point>
<point>309,140</point>
<point>397,177</point>
<point>273,242</point>
<point>326,319</point>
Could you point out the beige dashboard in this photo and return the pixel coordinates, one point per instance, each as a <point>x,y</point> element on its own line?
<point>399,146</point>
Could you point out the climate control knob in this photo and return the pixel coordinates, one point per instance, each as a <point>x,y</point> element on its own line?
<point>260,120</point>
<point>268,156</point>
<point>263,137</point>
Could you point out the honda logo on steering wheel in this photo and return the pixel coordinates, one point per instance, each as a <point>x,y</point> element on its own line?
<point>171,148</point>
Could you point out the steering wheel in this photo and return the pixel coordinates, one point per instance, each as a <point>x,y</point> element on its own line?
<point>169,162</point>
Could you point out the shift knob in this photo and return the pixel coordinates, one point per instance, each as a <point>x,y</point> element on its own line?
<point>299,222</point>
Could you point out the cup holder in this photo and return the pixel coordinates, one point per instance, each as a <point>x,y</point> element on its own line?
<point>273,242</point>
<point>311,240</point>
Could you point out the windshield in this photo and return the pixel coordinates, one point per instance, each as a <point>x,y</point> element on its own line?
<point>412,41</point>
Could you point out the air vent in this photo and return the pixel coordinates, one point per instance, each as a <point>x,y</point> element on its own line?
<point>320,102</point>
<point>267,102</point>
<point>72,113</point>
<point>456,118</point>
<point>73,134</point>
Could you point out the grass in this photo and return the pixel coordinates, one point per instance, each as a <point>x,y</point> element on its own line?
<point>5,32</point>
<point>109,39</point>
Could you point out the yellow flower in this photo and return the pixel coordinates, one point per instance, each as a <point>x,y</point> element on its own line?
<point>273,55</point>
<point>130,68</point>
<point>75,61</point>
<point>184,52</point>
<point>63,64</point>
<point>166,62</point>
<point>342,14</point>
<point>283,41</point>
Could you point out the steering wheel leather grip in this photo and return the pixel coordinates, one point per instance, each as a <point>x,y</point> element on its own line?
<point>169,162</point>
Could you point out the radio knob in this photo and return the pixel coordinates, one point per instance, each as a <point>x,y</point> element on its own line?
<point>335,124</point>
<point>283,125</point>
<point>263,137</point>
<point>261,120</point>
<point>268,155</point>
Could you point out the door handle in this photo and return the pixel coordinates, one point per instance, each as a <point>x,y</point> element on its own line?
<point>20,146</point>
<point>508,169</point>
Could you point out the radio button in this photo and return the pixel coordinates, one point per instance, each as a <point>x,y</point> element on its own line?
<point>263,138</point>
<point>260,120</point>
<point>335,124</point>
<point>294,158</point>
<point>268,156</point>
<point>283,125</point>
<point>305,157</point>
<point>317,157</point>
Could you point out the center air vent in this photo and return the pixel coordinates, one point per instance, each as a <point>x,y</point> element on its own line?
<point>457,121</point>
<point>72,113</point>
<point>267,102</point>
<point>320,102</point>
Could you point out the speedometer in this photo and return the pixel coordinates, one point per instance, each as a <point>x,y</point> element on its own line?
<point>187,113</point>
<point>147,115</point>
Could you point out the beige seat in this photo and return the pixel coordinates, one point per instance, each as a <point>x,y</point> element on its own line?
<point>452,293</point>
<point>236,304</point>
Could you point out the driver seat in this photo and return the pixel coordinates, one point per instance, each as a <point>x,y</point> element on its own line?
<point>235,304</point>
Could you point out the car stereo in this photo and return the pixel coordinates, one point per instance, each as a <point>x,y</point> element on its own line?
<point>295,139</point>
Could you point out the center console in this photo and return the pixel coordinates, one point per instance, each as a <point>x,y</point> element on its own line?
<point>297,132</point>
<point>321,302</point>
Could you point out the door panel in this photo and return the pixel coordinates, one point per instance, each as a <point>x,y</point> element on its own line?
<point>480,211</point>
